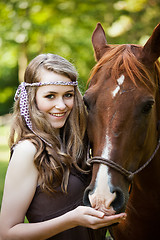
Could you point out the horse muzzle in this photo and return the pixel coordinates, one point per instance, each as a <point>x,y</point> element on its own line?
<point>104,196</point>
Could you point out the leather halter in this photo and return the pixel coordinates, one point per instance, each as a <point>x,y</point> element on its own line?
<point>128,174</point>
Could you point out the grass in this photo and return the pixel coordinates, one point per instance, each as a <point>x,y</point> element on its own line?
<point>4,156</point>
<point>3,168</point>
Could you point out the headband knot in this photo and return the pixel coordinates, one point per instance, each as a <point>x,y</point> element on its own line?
<point>18,92</point>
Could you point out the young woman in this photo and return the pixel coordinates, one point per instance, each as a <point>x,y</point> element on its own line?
<point>47,175</point>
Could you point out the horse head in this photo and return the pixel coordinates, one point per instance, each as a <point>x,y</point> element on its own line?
<point>122,101</point>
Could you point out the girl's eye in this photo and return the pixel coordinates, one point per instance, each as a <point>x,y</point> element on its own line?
<point>68,95</point>
<point>50,96</point>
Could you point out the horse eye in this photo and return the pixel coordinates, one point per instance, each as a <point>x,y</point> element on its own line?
<point>147,107</point>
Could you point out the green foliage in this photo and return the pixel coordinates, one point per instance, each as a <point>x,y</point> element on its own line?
<point>3,169</point>
<point>64,27</point>
<point>4,156</point>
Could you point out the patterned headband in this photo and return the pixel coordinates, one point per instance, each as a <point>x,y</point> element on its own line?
<point>22,94</point>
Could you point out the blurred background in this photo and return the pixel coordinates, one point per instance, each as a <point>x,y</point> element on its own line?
<point>63,27</point>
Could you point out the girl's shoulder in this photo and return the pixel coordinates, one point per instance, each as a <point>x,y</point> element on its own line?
<point>21,167</point>
<point>25,150</point>
<point>25,146</point>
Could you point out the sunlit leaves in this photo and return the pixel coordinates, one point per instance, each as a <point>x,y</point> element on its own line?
<point>64,27</point>
<point>5,94</point>
<point>123,24</point>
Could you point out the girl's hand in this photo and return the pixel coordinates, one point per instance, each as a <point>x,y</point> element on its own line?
<point>91,218</point>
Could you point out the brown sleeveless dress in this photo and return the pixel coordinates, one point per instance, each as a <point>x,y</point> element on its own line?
<point>44,207</point>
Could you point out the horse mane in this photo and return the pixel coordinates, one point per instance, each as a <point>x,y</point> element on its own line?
<point>119,59</point>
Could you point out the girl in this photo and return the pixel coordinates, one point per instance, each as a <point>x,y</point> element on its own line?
<point>47,174</point>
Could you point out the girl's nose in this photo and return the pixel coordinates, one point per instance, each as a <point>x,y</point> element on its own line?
<point>60,104</point>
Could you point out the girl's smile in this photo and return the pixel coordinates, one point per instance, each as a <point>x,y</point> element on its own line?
<point>55,101</point>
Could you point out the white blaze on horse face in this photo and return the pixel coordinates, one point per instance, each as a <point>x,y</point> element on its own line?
<point>114,93</point>
<point>120,80</point>
<point>107,148</point>
<point>117,89</point>
<point>101,197</point>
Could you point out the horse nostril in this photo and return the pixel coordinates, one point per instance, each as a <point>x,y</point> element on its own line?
<point>119,202</point>
<point>86,197</point>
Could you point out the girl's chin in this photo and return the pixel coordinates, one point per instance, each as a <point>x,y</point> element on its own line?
<point>58,125</point>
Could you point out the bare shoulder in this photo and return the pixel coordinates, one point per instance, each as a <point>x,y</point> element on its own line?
<point>24,152</point>
<point>26,146</point>
<point>21,167</point>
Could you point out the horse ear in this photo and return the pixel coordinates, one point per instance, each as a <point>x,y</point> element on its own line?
<point>151,50</point>
<point>99,41</point>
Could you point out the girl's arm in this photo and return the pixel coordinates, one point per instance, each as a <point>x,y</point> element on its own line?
<point>20,185</point>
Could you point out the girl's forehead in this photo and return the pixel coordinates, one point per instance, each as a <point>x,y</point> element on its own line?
<point>50,76</point>
<point>55,88</point>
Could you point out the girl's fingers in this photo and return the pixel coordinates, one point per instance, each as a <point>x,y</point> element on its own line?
<point>109,220</point>
<point>99,214</point>
<point>96,219</point>
<point>104,221</point>
<point>95,213</point>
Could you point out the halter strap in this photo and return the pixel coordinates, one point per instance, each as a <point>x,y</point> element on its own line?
<point>128,174</point>
<point>111,164</point>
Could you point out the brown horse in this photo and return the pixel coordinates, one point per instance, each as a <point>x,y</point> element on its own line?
<point>123,102</point>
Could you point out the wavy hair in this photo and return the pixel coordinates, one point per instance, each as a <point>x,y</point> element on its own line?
<point>69,148</point>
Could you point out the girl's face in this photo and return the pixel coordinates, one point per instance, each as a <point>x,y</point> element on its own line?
<point>55,101</point>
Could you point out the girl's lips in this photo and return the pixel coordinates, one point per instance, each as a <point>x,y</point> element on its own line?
<point>57,114</point>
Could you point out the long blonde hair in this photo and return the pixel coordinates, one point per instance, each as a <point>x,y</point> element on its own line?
<point>53,163</point>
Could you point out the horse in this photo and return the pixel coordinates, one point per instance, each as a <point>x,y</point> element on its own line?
<point>123,102</point>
